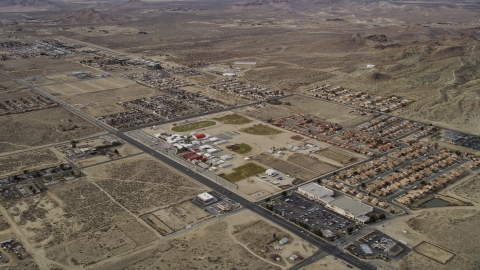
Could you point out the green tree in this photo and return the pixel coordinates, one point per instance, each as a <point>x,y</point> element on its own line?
<point>267,199</point>
<point>363,185</point>
<point>284,193</point>
<point>392,211</point>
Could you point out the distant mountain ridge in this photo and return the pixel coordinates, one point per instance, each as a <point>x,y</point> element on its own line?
<point>87,15</point>
<point>28,5</point>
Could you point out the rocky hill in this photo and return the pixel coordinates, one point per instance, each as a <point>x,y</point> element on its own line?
<point>87,16</point>
<point>27,5</point>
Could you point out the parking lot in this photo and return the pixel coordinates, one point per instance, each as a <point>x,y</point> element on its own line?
<point>377,244</point>
<point>301,209</point>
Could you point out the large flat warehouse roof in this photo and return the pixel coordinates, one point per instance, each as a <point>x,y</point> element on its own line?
<point>317,190</point>
<point>355,207</point>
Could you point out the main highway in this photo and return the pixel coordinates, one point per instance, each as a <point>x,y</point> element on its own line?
<point>323,246</point>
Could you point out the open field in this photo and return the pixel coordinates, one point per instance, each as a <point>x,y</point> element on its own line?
<point>328,263</point>
<point>337,156</point>
<point>433,252</point>
<point>470,189</point>
<point>37,159</point>
<point>233,119</point>
<point>311,163</point>
<point>76,224</point>
<point>194,126</point>
<point>42,127</point>
<point>454,229</point>
<point>178,216</point>
<point>244,171</point>
<point>222,244</point>
<point>327,111</point>
<point>106,101</point>
<point>300,172</point>
<point>86,86</point>
<point>270,112</point>
<point>143,184</point>
<point>261,130</point>
<point>256,189</point>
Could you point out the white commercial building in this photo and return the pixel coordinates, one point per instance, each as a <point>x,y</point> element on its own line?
<point>206,197</point>
<point>351,208</point>
<point>316,192</point>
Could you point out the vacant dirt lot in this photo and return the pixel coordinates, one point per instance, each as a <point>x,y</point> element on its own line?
<point>338,156</point>
<point>222,244</point>
<point>143,184</point>
<point>256,189</point>
<point>36,159</point>
<point>311,163</point>
<point>269,112</point>
<point>328,263</point>
<point>434,252</point>
<point>42,127</point>
<point>76,224</point>
<point>453,229</point>
<point>470,189</point>
<point>286,167</point>
<point>331,112</point>
<point>178,216</point>
<point>105,102</point>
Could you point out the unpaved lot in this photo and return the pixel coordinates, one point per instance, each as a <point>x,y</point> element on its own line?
<point>285,167</point>
<point>143,184</point>
<point>76,224</point>
<point>453,229</point>
<point>328,111</point>
<point>312,164</point>
<point>42,127</point>
<point>36,159</point>
<point>328,263</point>
<point>106,101</point>
<point>434,252</point>
<point>180,215</point>
<point>228,243</point>
<point>269,112</point>
<point>256,189</point>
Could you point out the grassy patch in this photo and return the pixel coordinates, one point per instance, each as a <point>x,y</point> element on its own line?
<point>193,126</point>
<point>244,148</point>
<point>261,130</point>
<point>243,172</point>
<point>233,119</point>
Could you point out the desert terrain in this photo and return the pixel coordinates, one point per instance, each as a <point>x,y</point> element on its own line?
<point>233,241</point>
<point>132,64</point>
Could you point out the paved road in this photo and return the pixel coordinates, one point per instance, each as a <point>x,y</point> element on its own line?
<point>326,247</point>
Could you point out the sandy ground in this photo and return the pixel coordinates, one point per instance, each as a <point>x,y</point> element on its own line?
<point>328,263</point>
<point>180,215</point>
<point>255,189</point>
<point>37,159</point>
<point>330,112</point>
<point>42,127</point>
<point>74,224</point>
<point>222,244</point>
<point>143,184</point>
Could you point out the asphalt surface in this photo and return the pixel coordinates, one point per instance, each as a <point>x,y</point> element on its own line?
<point>322,245</point>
